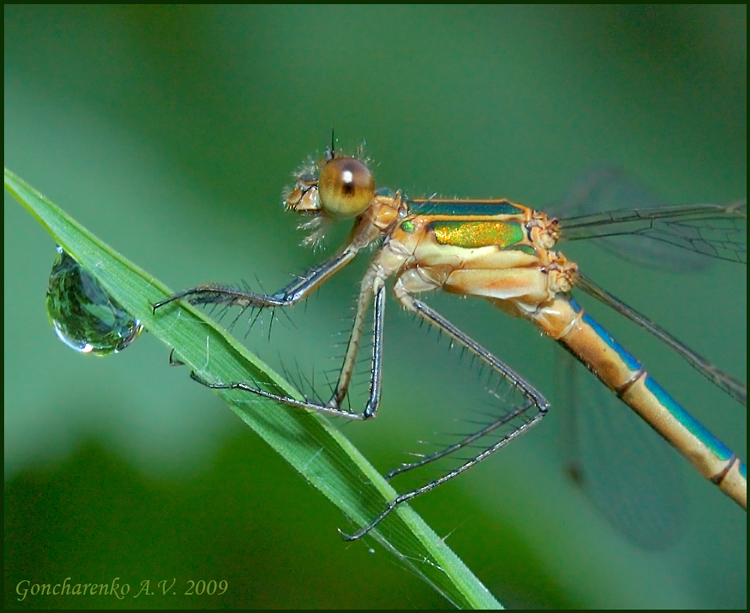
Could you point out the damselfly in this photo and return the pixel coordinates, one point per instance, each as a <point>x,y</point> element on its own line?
<point>503,252</point>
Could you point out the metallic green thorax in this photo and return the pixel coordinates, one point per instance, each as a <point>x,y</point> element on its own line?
<point>473,234</point>
<point>464,208</point>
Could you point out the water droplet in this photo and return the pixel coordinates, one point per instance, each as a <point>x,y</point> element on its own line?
<point>85,317</point>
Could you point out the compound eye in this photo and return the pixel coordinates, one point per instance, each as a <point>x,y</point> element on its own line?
<point>345,187</point>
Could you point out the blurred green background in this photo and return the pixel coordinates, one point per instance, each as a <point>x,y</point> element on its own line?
<point>170,131</point>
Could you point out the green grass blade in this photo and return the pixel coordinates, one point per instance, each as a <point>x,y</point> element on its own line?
<point>306,440</point>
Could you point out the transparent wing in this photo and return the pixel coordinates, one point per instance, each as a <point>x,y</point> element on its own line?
<point>636,225</point>
<point>623,467</point>
<point>609,452</point>
<point>724,381</point>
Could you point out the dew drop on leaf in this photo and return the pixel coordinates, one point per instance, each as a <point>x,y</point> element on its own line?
<point>84,316</point>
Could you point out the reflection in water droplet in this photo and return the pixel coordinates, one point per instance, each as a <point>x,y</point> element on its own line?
<point>84,316</point>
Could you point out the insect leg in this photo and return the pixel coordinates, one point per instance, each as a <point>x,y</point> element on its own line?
<point>534,403</point>
<point>372,283</point>
<point>287,296</point>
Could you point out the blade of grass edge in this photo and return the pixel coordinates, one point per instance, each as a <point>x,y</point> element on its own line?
<point>306,440</point>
